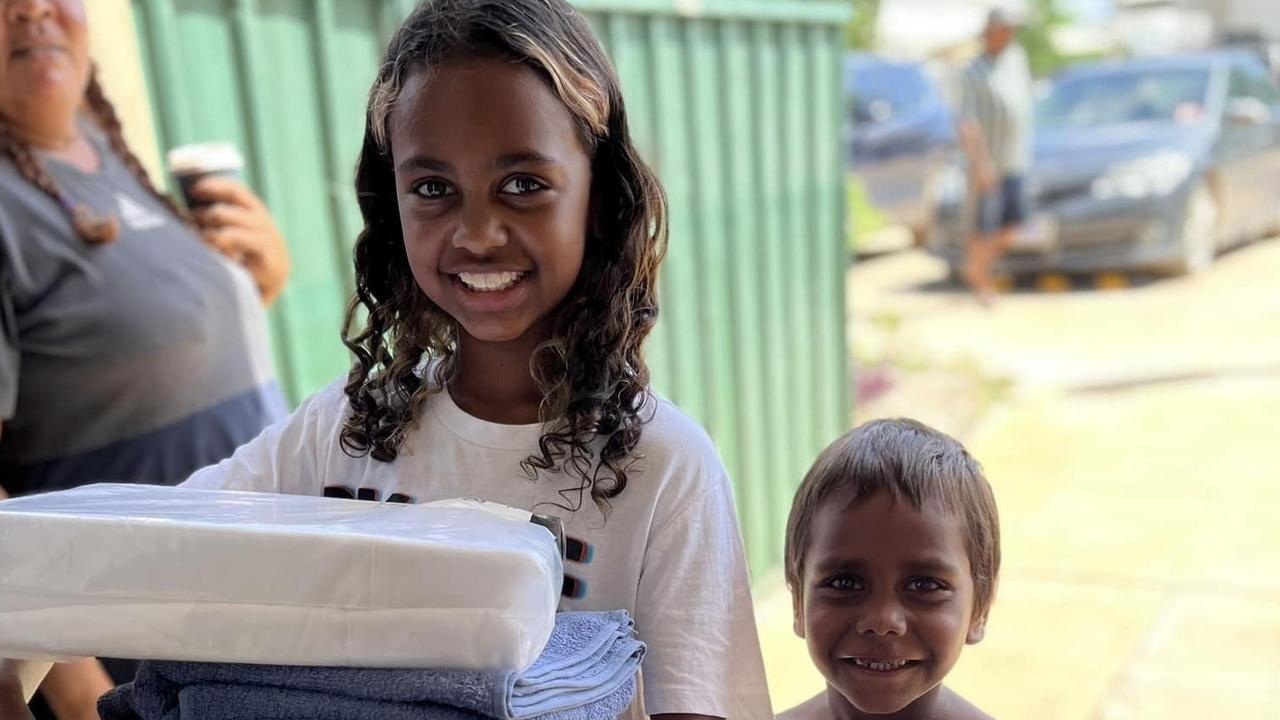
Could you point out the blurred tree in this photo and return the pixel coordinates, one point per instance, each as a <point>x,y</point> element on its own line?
<point>860,33</point>
<point>1043,18</point>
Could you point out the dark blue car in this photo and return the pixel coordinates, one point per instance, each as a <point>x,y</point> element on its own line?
<point>1152,164</point>
<point>901,139</point>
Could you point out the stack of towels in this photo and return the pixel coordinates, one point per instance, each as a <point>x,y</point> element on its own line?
<point>586,672</point>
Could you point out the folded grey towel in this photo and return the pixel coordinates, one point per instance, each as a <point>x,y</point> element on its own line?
<point>117,704</point>
<point>586,672</point>
<point>243,702</point>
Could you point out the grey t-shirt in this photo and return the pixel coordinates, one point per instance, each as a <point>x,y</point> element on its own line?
<point>141,360</point>
<point>997,97</point>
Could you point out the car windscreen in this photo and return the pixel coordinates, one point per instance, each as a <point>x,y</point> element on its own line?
<point>1125,96</point>
<point>882,90</point>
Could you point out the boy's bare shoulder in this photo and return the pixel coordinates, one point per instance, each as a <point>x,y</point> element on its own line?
<point>960,709</point>
<point>815,708</point>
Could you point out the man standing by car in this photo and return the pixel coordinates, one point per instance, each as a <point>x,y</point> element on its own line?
<point>995,132</point>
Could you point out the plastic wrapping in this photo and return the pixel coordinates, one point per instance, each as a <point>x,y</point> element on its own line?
<point>182,574</point>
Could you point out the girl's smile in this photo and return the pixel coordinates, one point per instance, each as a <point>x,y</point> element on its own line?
<point>490,292</point>
<point>490,281</point>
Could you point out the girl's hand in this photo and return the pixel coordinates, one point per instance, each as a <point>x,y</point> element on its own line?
<point>237,224</point>
<point>12,704</point>
<point>72,689</point>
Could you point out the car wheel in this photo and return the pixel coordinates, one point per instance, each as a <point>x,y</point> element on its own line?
<point>1198,233</point>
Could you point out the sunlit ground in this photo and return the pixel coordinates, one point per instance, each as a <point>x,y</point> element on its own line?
<point>1140,522</point>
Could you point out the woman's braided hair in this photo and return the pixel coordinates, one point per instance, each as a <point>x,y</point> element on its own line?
<point>92,227</point>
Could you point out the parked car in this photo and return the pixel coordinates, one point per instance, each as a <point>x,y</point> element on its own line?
<point>1154,164</point>
<point>1262,44</point>
<point>900,138</point>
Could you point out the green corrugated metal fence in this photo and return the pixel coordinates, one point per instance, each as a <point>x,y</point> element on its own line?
<point>735,102</point>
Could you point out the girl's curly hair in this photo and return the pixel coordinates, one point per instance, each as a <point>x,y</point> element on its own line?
<point>591,372</point>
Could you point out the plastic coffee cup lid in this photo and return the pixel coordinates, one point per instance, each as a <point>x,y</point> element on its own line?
<point>205,157</point>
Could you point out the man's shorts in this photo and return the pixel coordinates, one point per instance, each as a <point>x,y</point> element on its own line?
<point>1003,207</point>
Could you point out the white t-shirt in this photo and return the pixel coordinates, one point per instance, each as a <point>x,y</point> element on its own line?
<point>670,553</point>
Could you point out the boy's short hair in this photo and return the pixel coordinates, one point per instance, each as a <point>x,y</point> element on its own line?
<point>915,463</point>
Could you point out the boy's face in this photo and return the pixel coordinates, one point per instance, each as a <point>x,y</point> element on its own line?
<point>886,601</point>
<point>494,188</point>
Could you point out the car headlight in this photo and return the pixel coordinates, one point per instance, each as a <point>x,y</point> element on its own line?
<point>1149,176</point>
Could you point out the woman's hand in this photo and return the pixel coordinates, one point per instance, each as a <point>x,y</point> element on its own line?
<point>235,222</point>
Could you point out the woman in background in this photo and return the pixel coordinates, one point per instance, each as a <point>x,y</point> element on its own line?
<point>133,341</point>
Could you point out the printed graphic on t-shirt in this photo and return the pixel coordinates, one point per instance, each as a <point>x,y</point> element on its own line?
<point>136,215</point>
<point>370,494</point>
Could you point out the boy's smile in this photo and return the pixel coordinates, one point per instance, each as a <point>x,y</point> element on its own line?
<point>494,185</point>
<point>886,603</point>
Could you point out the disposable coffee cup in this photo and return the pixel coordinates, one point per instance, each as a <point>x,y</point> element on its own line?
<point>189,164</point>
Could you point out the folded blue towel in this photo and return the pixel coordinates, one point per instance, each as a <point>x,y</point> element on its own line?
<point>589,656</point>
<point>586,672</point>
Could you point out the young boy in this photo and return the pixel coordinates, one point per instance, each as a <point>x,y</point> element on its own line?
<point>892,553</point>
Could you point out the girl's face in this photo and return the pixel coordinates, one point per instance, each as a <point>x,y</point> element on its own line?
<point>44,59</point>
<point>494,194</point>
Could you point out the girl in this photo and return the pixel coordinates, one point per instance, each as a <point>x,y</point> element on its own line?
<point>505,285</point>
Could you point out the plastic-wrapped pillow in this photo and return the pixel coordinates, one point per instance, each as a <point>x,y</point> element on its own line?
<point>200,575</point>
